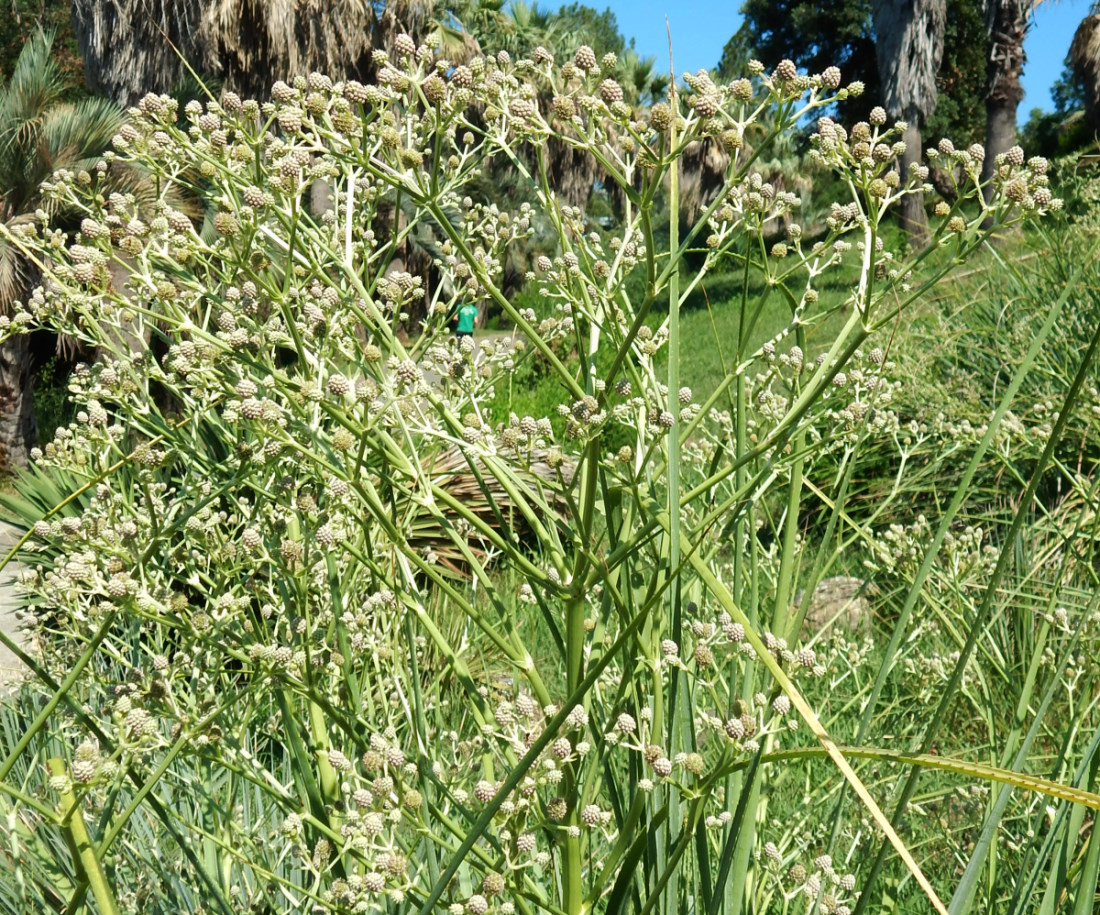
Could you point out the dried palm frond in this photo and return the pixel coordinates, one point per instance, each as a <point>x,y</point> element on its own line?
<point>702,175</point>
<point>252,43</point>
<point>476,486</point>
<point>131,47</point>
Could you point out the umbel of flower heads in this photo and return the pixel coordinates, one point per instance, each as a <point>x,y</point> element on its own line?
<point>266,519</point>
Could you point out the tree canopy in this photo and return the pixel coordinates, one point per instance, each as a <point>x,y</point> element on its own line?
<point>816,36</point>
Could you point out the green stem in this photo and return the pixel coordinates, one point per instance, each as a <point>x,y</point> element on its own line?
<point>72,822</point>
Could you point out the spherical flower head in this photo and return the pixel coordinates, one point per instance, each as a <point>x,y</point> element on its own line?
<point>556,808</point>
<point>585,58</point>
<point>253,196</point>
<point>830,78</point>
<point>611,91</point>
<point>484,791</point>
<point>523,109</point>
<point>577,718</point>
<point>693,762</point>
<point>492,884</point>
<point>404,46</point>
<point>226,224</point>
<point>564,106</point>
<point>435,90</point>
<point>782,704</point>
<point>626,724</point>
<point>735,728</point>
<point>786,72</point>
<point>741,90</point>
<point>1015,156</point>
<point>660,117</point>
<point>662,766</point>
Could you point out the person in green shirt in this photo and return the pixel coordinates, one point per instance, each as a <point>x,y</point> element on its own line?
<point>466,316</point>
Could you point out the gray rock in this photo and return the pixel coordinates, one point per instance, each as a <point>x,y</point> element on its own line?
<point>842,601</point>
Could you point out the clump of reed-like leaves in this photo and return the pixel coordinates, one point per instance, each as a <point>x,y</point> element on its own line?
<point>322,637</point>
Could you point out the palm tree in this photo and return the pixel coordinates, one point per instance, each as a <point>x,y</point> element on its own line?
<point>909,47</point>
<point>1084,55</point>
<point>1006,24</point>
<point>40,133</point>
<point>643,83</point>
<point>131,47</point>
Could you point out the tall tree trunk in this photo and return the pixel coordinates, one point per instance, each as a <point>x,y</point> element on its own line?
<point>909,38</point>
<point>18,427</point>
<point>912,216</point>
<point>1006,25</point>
<point>1084,55</point>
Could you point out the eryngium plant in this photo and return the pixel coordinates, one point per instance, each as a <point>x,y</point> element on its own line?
<point>269,692</point>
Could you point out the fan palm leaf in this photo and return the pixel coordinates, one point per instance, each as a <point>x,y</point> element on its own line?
<point>40,134</point>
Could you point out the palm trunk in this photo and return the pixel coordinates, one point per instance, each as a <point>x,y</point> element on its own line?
<point>18,427</point>
<point>1084,55</point>
<point>912,215</point>
<point>1007,24</point>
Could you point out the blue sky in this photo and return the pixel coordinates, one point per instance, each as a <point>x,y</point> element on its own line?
<point>700,29</point>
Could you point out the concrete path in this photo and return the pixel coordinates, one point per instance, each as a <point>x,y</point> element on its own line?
<point>11,668</point>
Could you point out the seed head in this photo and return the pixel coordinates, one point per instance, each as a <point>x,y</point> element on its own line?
<point>830,78</point>
<point>564,107</point>
<point>492,884</point>
<point>435,90</point>
<point>585,58</point>
<point>404,46</point>
<point>626,724</point>
<point>611,91</point>
<point>523,109</point>
<point>786,72</point>
<point>707,105</point>
<point>477,905</point>
<point>660,117</point>
<point>590,816</point>
<point>1015,156</point>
